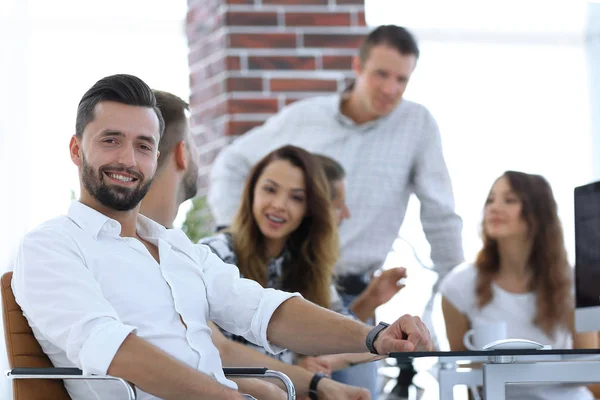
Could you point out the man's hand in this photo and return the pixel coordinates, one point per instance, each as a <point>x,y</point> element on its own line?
<point>328,389</point>
<point>341,361</point>
<point>385,285</point>
<point>381,289</point>
<point>259,389</point>
<point>407,333</point>
<point>316,364</point>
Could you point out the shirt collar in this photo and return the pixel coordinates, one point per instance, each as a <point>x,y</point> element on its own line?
<point>148,228</point>
<point>347,121</point>
<point>90,220</point>
<point>94,222</point>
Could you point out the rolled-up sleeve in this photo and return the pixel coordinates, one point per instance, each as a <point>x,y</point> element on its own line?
<point>63,302</point>
<point>240,306</point>
<point>433,187</point>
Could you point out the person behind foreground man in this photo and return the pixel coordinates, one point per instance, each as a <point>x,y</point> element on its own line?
<point>135,298</point>
<point>390,148</point>
<point>285,237</point>
<point>176,181</point>
<point>521,276</point>
<point>336,178</point>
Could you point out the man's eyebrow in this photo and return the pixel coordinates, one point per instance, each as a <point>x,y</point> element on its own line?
<point>113,132</point>
<point>149,139</point>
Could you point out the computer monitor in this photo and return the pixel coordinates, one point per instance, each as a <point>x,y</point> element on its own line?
<point>587,257</point>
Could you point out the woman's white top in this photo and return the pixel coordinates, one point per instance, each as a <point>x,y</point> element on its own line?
<point>518,311</point>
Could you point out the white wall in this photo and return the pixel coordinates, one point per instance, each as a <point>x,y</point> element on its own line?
<point>51,53</point>
<point>593,56</point>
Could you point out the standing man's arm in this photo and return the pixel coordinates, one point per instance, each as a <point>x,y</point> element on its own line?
<point>79,320</point>
<point>232,165</point>
<point>432,185</point>
<point>227,178</point>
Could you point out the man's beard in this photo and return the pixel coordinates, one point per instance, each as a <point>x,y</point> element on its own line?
<point>190,182</point>
<point>115,197</point>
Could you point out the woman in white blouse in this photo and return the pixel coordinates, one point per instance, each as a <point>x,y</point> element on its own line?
<point>521,276</point>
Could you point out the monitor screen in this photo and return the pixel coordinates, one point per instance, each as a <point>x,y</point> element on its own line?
<point>587,247</point>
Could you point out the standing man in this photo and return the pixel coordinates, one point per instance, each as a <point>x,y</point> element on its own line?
<point>390,148</point>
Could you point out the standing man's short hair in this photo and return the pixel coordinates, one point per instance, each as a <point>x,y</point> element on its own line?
<point>394,36</point>
<point>173,110</point>
<point>121,88</point>
<point>333,171</point>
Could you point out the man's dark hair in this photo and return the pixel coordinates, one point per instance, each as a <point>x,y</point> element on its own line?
<point>333,171</point>
<point>172,109</point>
<point>121,88</point>
<point>393,36</point>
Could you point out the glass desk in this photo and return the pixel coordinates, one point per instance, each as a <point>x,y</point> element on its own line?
<point>500,367</point>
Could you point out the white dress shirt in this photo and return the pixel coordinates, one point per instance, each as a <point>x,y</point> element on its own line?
<point>84,288</point>
<point>386,160</point>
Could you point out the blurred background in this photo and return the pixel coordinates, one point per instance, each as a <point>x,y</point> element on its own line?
<point>513,84</point>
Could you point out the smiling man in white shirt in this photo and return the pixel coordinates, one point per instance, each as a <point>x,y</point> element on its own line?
<point>109,291</point>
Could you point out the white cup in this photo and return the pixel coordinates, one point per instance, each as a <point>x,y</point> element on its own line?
<point>484,332</point>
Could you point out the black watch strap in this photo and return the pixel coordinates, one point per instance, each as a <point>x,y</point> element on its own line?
<point>312,388</point>
<point>373,335</point>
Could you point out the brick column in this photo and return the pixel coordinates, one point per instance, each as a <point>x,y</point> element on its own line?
<point>250,58</point>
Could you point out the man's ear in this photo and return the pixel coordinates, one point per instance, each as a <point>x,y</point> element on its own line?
<point>180,154</point>
<point>357,65</point>
<point>76,151</point>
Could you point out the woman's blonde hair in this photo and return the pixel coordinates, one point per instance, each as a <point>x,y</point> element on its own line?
<point>551,280</point>
<point>313,246</point>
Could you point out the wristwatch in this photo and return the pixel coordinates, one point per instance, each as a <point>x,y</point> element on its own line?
<point>312,388</point>
<point>373,335</point>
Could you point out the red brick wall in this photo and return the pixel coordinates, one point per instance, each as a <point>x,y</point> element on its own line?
<point>249,58</point>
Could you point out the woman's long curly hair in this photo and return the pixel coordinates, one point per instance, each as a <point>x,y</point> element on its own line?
<point>551,280</point>
<point>313,246</point>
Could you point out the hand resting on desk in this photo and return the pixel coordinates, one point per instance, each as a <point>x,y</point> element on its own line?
<point>405,334</point>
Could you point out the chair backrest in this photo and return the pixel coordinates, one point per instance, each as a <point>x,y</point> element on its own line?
<point>24,350</point>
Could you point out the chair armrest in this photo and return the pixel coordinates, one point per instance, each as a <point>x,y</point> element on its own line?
<point>263,373</point>
<point>244,371</point>
<point>46,371</point>
<point>66,373</point>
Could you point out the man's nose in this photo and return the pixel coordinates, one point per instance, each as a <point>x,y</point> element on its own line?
<point>390,88</point>
<point>127,156</point>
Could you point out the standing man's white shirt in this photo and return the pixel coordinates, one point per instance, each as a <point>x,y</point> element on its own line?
<point>84,288</point>
<point>385,161</point>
